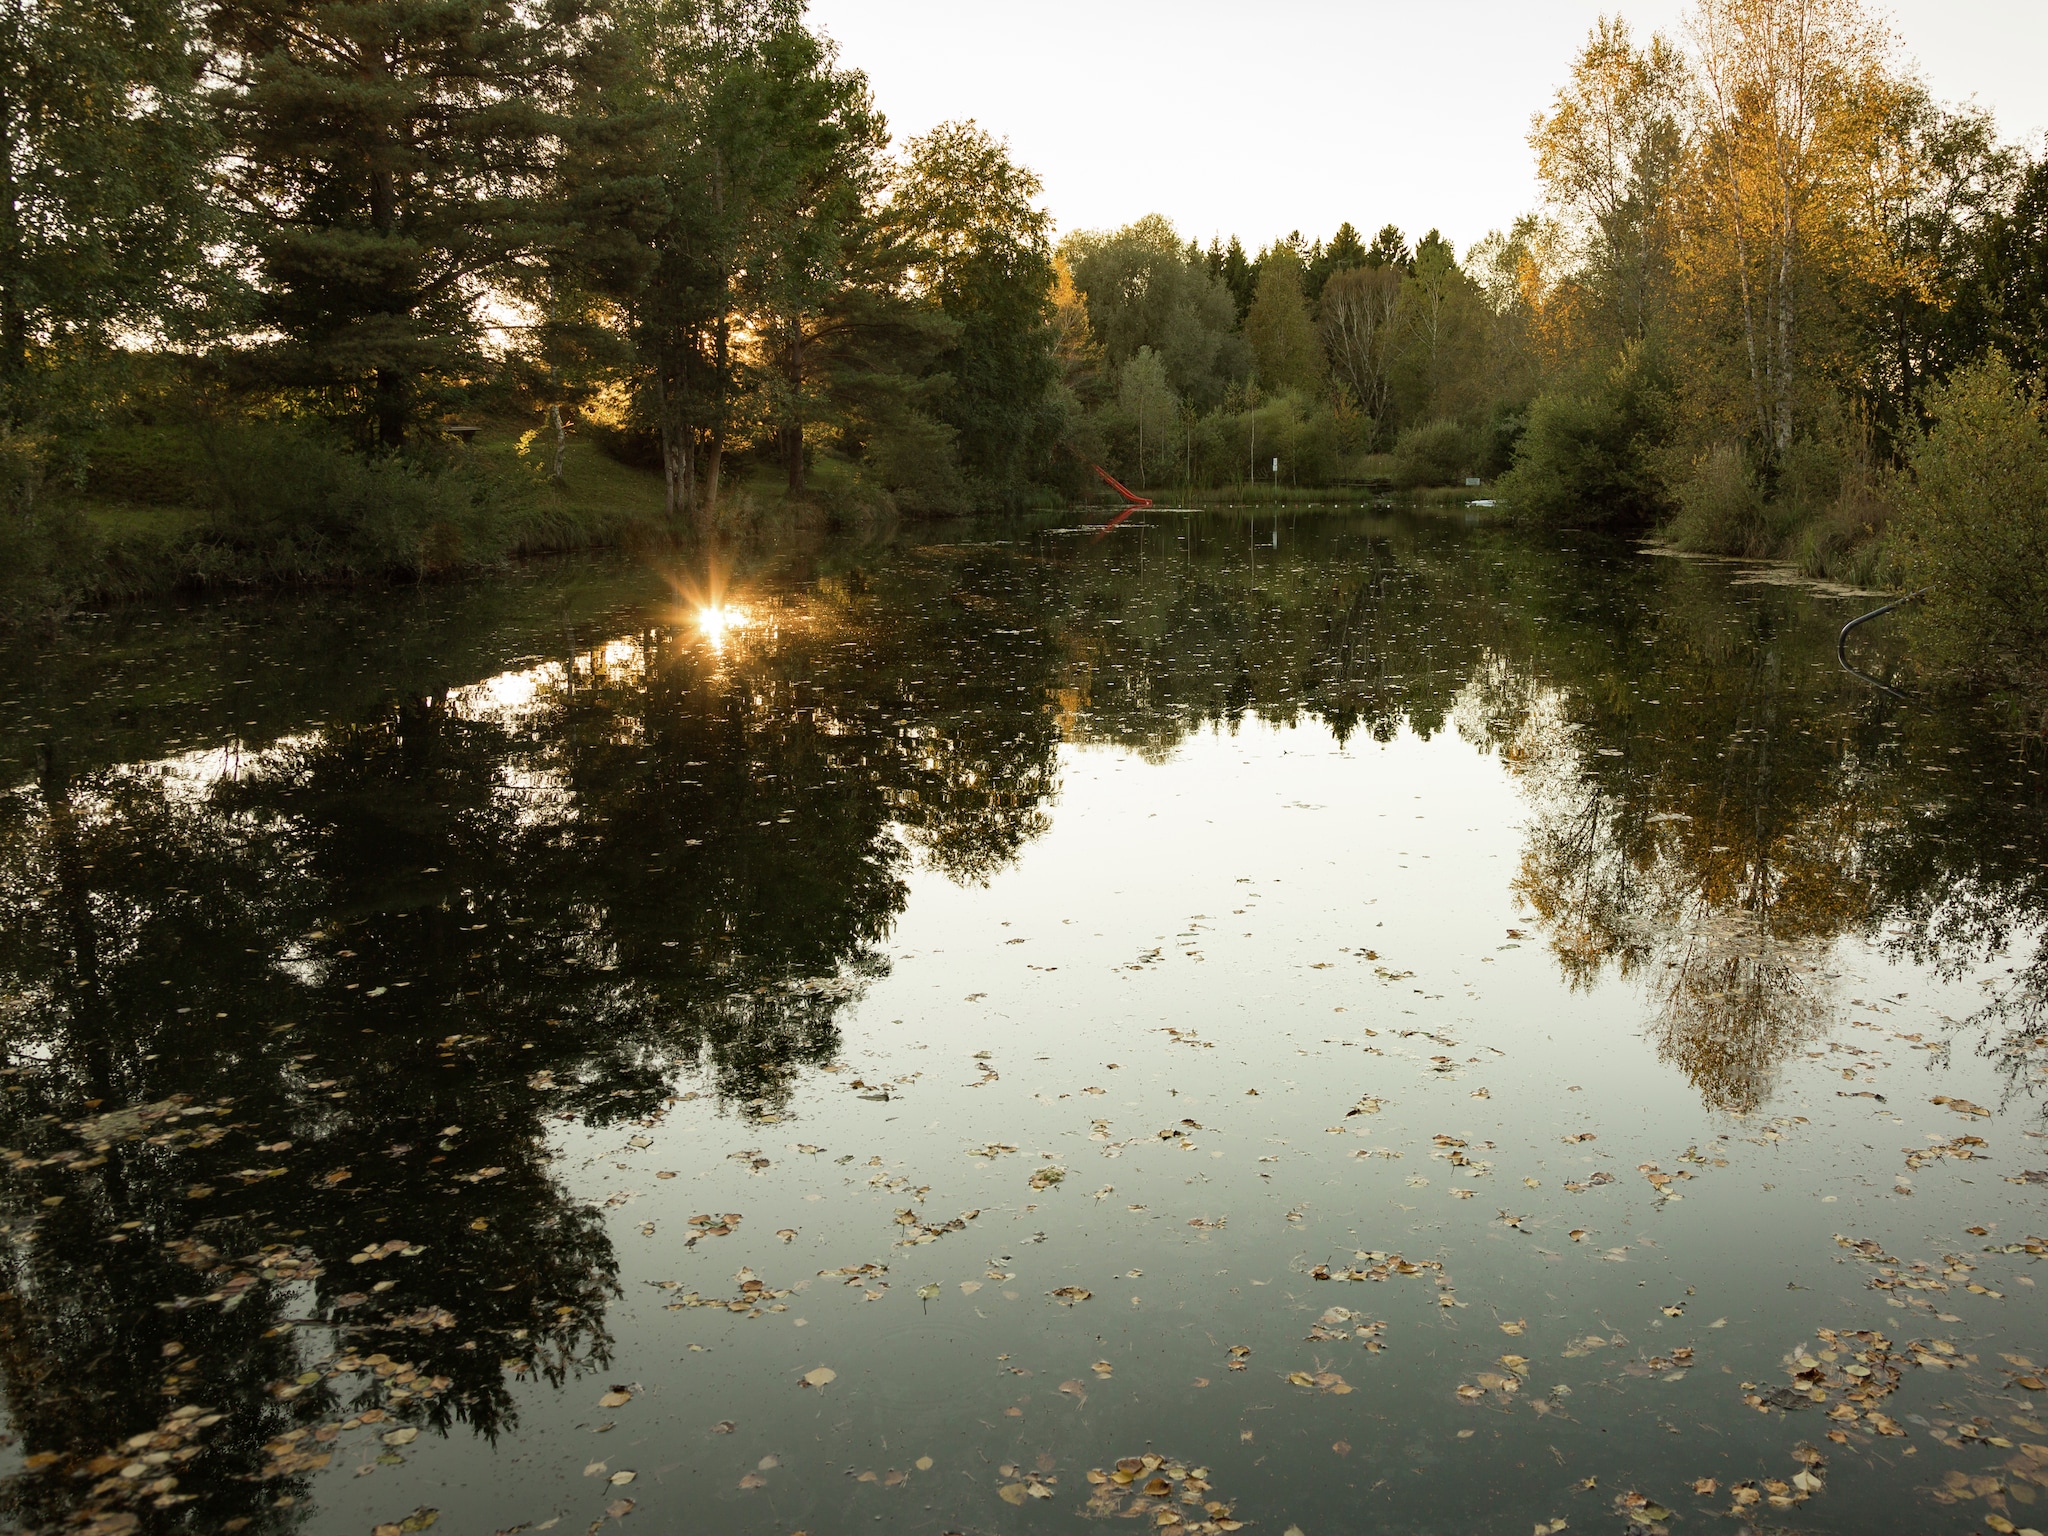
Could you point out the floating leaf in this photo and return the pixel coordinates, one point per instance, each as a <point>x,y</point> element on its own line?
<point>823,1376</point>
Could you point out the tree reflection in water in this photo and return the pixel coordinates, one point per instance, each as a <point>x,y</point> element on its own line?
<point>286,1029</point>
<point>1713,803</point>
<point>349,979</point>
<point>1715,848</point>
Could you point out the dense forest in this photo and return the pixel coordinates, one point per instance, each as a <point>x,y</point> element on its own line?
<point>257,257</point>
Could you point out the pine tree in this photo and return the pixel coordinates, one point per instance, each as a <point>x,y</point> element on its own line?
<point>1389,248</point>
<point>389,160</point>
<point>815,240</point>
<point>1344,252</point>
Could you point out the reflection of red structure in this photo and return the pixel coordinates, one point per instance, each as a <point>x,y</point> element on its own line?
<point>1134,500</point>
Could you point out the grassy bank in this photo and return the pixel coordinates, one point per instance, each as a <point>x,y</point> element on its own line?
<point>152,509</point>
<point>1335,497</point>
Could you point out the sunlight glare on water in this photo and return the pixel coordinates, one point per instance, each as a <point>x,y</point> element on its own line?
<point>719,621</point>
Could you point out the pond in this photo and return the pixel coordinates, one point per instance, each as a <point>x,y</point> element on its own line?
<point>1357,1022</point>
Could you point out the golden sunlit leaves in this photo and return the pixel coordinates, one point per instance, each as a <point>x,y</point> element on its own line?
<point>1165,1493</point>
<point>703,1226</point>
<point>1960,1106</point>
<point>1320,1381</point>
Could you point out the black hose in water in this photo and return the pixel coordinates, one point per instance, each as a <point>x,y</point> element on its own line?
<point>1842,640</point>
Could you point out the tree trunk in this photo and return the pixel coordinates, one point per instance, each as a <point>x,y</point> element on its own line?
<point>390,408</point>
<point>714,453</point>
<point>678,459</point>
<point>1756,366</point>
<point>391,388</point>
<point>714,436</point>
<point>13,321</point>
<point>561,442</point>
<point>1786,269</point>
<point>793,432</point>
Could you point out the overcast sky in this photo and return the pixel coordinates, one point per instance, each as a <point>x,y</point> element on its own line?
<point>1257,119</point>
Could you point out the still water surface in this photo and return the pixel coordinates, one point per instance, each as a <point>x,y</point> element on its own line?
<point>1370,1024</point>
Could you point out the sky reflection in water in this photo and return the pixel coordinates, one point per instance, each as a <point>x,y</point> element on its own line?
<point>467,1046</point>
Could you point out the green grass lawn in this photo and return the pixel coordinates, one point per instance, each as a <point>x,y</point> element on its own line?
<point>598,498</point>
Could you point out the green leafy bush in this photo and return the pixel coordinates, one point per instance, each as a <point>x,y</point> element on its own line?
<point>150,465</point>
<point>1586,452</point>
<point>293,503</point>
<point>46,552</point>
<point>1721,506</point>
<point>1971,525</point>
<point>913,458</point>
<point>1434,453</point>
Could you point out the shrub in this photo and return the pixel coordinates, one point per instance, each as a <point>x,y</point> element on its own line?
<point>151,464</point>
<point>1848,541</point>
<point>46,551</point>
<point>1433,453</point>
<point>913,459</point>
<point>293,503</point>
<point>1720,506</point>
<point>1585,453</point>
<point>1971,525</point>
<point>1497,440</point>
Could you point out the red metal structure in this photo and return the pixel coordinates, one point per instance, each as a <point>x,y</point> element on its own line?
<point>1114,484</point>
<point>1132,499</point>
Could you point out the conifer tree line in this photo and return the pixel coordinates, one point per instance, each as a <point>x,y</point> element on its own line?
<point>1332,354</point>
<point>681,220</point>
